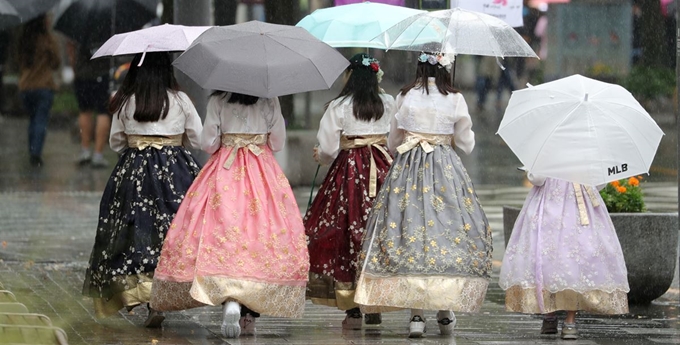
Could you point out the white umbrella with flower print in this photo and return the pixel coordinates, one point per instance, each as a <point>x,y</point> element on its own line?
<point>580,130</point>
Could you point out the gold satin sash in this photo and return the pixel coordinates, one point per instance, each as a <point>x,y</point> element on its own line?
<point>249,142</point>
<point>425,141</point>
<point>141,142</point>
<point>377,141</point>
<point>582,212</point>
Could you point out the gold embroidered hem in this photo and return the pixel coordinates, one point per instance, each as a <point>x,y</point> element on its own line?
<point>140,294</point>
<point>523,300</point>
<point>141,142</point>
<point>271,299</point>
<point>323,290</point>
<point>378,294</point>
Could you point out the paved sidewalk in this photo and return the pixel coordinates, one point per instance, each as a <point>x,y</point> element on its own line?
<point>47,222</point>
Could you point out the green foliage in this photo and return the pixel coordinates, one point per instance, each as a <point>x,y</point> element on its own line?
<point>646,82</point>
<point>624,196</point>
<point>65,103</point>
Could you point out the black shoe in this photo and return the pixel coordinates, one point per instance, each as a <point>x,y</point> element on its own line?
<point>373,319</point>
<point>36,161</point>
<point>155,318</point>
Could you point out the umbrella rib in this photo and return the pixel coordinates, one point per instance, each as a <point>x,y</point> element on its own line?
<point>487,26</point>
<point>538,153</point>
<point>306,57</point>
<point>637,149</point>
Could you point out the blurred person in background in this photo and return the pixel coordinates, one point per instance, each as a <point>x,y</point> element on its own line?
<point>92,92</point>
<point>38,60</point>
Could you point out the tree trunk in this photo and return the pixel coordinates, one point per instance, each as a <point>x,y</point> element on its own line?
<point>168,12</point>
<point>652,33</point>
<point>284,12</point>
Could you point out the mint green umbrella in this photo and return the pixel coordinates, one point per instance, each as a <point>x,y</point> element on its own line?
<point>354,25</point>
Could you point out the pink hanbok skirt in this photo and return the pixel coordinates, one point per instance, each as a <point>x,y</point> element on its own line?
<point>238,235</point>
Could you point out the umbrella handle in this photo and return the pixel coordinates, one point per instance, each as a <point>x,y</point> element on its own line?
<point>311,191</point>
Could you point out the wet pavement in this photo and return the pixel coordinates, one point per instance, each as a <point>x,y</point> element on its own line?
<point>48,216</point>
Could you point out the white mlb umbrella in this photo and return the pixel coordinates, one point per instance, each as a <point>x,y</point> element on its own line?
<point>580,130</point>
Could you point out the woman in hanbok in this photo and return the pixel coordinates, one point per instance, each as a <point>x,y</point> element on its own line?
<point>151,125</point>
<point>353,136</point>
<point>238,237</point>
<point>428,242</point>
<point>564,254</point>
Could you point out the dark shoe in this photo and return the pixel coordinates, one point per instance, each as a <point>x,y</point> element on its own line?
<point>549,326</point>
<point>352,319</point>
<point>569,331</point>
<point>373,319</point>
<point>36,161</point>
<point>155,318</point>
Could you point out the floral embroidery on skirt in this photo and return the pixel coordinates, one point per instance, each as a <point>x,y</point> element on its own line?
<point>140,200</point>
<point>427,243</point>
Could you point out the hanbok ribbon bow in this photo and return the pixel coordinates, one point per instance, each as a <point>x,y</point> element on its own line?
<point>377,141</point>
<point>582,211</point>
<point>141,142</point>
<point>424,140</point>
<point>249,142</point>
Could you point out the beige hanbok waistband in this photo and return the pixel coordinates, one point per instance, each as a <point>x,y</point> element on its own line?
<point>377,141</point>
<point>250,142</point>
<point>425,141</point>
<point>582,212</point>
<point>141,142</point>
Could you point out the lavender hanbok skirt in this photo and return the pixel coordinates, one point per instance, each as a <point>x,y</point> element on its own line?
<point>562,257</point>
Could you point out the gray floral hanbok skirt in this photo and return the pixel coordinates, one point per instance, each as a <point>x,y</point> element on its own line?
<point>428,242</point>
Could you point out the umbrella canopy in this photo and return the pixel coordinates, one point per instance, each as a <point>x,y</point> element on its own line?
<point>8,15</point>
<point>92,22</point>
<point>22,11</point>
<point>354,25</point>
<point>166,37</point>
<point>261,59</point>
<point>580,130</point>
<point>456,31</point>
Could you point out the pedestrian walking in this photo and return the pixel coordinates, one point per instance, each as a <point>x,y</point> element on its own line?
<point>91,86</point>
<point>428,242</point>
<point>238,238</point>
<point>353,137</point>
<point>38,60</point>
<point>563,254</point>
<point>152,123</point>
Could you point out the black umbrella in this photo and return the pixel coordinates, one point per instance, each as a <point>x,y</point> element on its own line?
<point>92,22</point>
<point>8,15</point>
<point>24,11</point>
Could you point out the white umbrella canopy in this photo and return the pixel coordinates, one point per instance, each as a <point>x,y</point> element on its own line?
<point>456,31</point>
<point>580,130</point>
<point>261,59</point>
<point>8,15</point>
<point>354,25</point>
<point>161,38</point>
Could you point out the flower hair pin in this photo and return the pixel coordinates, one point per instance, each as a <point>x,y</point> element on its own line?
<point>372,63</point>
<point>437,58</point>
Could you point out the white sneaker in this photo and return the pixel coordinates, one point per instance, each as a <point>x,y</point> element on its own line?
<point>231,312</point>
<point>247,324</point>
<point>84,157</point>
<point>416,328</point>
<point>447,322</point>
<point>98,161</point>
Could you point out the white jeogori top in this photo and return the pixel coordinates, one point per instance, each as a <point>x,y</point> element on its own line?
<point>432,114</point>
<point>339,120</point>
<point>260,118</point>
<point>182,118</point>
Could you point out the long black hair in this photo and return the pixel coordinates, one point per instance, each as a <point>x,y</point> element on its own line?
<point>237,97</point>
<point>149,83</point>
<point>424,70</point>
<point>29,39</point>
<point>362,86</point>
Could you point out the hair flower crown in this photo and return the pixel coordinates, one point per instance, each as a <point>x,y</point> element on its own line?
<point>444,61</point>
